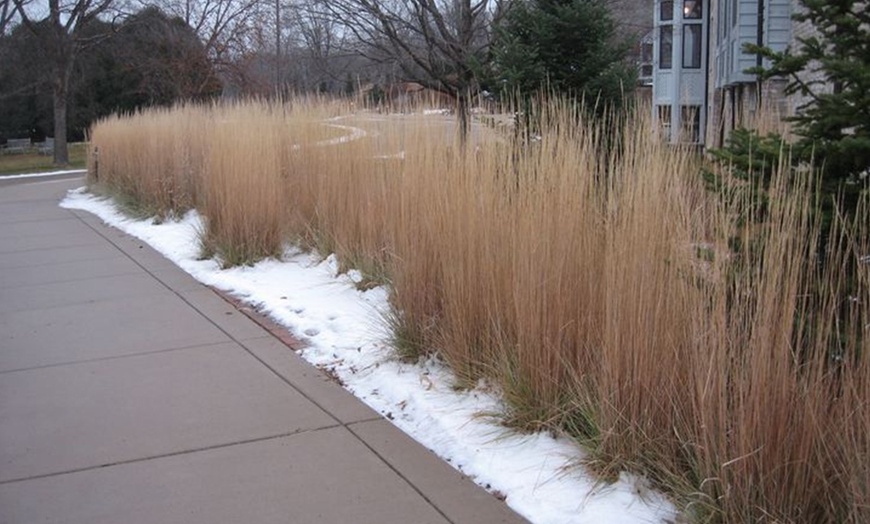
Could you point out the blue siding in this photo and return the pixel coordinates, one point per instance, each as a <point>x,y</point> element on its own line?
<point>747,32</point>
<point>729,53</point>
<point>778,24</point>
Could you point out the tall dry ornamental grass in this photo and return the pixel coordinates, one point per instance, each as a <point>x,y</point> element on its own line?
<point>705,340</point>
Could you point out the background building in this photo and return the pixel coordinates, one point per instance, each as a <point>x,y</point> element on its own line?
<point>701,90</point>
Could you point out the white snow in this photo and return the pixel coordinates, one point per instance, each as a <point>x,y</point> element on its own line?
<point>355,134</point>
<point>537,474</point>
<point>45,174</point>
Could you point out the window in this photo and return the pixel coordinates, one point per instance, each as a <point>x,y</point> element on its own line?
<point>666,46</point>
<point>692,9</point>
<point>646,60</point>
<point>646,49</point>
<point>692,46</point>
<point>690,120</point>
<point>646,71</point>
<point>666,10</point>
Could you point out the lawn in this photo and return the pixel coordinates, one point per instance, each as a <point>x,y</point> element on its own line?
<point>31,162</point>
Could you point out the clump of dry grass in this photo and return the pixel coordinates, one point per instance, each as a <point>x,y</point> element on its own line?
<point>154,164</point>
<point>701,340</point>
<point>242,199</point>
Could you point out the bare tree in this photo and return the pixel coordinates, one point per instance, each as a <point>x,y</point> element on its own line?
<point>8,10</point>
<point>64,34</point>
<point>316,46</point>
<point>437,43</point>
<point>224,26</point>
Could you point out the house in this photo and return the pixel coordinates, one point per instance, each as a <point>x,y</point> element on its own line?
<point>633,22</point>
<point>701,90</point>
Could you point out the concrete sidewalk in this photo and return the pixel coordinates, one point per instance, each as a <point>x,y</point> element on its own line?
<point>131,393</point>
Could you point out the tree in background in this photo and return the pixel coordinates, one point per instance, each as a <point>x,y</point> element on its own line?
<point>831,70</point>
<point>25,89</point>
<point>161,60</point>
<point>150,59</point>
<point>316,49</point>
<point>227,28</point>
<point>568,46</point>
<point>441,44</point>
<point>63,35</point>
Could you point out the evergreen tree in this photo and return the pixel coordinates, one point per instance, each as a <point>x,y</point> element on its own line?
<point>150,59</point>
<point>568,46</point>
<point>832,69</point>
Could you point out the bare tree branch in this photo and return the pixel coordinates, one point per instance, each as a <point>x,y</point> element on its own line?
<point>8,12</point>
<point>222,25</point>
<point>436,43</point>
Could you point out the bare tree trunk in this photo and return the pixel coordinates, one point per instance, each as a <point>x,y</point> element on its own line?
<point>59,95</point>
<point>64,60</point>
<point>463,117</point>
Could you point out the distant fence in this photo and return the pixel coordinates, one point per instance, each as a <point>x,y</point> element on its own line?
<point>24,145</point>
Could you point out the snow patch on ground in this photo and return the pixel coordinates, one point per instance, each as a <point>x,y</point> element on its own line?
<point>355,133</point>
<point>45,174</point>
<point>346,334</point>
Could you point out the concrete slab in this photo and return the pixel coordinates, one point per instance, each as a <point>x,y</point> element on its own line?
<point>38,257</point>
<point>86,415</point>
<point>35,228</point>
<point>63,271</point>
<point>144,255</point>
<point>456,496</point>
<point>47,296</point>
<point>24,190</point>
<point>18,211</point>
<point>312,382</point>
<point>26,242</point>
<point>322,477</point>
<point>111,328</point>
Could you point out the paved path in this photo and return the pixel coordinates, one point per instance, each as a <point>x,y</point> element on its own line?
<point>131,393</point>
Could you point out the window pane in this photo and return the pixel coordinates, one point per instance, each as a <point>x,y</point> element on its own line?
<point>692,9</point>
<point>666,47</point>
<point>692,46</point>
<point>646,52</point>
<point>667,10</point>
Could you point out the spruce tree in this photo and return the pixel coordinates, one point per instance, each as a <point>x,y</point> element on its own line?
<point>567,46</point>
<point>832,69</point>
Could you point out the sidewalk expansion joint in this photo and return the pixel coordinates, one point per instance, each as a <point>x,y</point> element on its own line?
<point>112,357</point>
<point>167,455</point>
<point>386,462</point>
